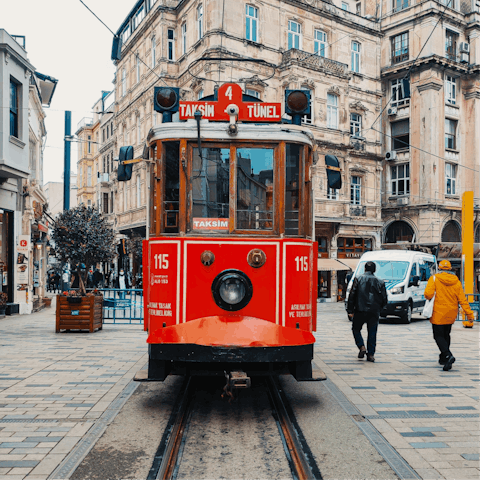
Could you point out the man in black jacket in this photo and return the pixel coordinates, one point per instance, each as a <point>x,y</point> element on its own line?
<point>365,302</point>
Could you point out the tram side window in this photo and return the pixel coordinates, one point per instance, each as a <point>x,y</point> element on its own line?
<point>172,187</point>
<point>292,189</point>
<point>254,188</point>
<point>210,189</point>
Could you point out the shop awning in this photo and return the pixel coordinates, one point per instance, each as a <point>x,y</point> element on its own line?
<point>330,264</point>
<point>350,262</point>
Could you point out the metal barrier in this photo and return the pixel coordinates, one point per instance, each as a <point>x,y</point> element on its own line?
<point>122,306</point>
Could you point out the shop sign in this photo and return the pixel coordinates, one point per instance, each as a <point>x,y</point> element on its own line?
<point>21,264</point>
<point>349,255</point>
<point>42,227</point>
<point>230,95</point>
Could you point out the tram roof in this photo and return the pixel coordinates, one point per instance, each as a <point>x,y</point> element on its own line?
<point>246,131</point>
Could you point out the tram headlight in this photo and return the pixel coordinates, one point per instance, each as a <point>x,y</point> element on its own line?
<point>232,290</point>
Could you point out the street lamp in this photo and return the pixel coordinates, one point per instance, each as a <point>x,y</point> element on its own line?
<point>39,244</point>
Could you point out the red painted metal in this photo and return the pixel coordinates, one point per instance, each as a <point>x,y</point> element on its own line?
<point>231,94</point>
<point>231,330</point>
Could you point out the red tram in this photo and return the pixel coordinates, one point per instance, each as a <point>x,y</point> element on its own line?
<point>230,264</point>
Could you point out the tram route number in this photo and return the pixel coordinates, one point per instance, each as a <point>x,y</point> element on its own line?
<point>161,261</point>
<point>302,264</point>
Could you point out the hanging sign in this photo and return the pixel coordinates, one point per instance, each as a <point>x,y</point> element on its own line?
<point>230,94</point>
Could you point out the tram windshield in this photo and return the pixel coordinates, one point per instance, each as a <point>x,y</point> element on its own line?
<point>386,269</point>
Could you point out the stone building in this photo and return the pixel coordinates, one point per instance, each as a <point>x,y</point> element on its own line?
<point>431,119</point>
<point>23,217</point>
<point>321,46</point>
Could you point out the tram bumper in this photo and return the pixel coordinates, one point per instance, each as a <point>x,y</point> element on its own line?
<point>214,345</point>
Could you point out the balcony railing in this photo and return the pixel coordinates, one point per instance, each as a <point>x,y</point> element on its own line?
<point>85,122</point>
<point>315,62</point>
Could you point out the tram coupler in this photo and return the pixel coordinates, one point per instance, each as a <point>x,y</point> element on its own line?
<point>238,380</point>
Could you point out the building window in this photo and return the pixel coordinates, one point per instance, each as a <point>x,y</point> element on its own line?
<point>401,135</point>
<point>111,162</point>
<point>105,203</point>
<point>320,43</point>
<point>400,179</point>
<point>139,16</point>
<point>353,247</point>
<point>200,94</point>
<point>139,130</point>
<point>139,193</point>
<point>322,247</point>
<point>345,6</point>
<point>355,57</point>
<point>154,51</point>
<point>184,39</point>
<point>450,178</point>
<point>124,82</point>
<point>400,47</point>
<point>126,34</point>
<point>14,109</point>
<point>251,22</point>
<point>89,144</point>
<point>355,125</point>
<point>332,111</point>
<point>252,93</point>
<point>451,39</point>
<point>400,92</point>
<point>332,193</point>
<point>358,8</point>
<point>294,35</point>
<point>200,21</point>
<point>399,5</point>
<point>449,3</point>
<point>111,202</point>
<point>450,90</point>
<point>356,190</point>
<point>450,134</point>
<point>308,118</point>
<point>171,44</point>
<point>137,66</point>
<point>89,176</point>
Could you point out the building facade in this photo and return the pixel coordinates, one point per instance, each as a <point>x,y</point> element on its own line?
<point>23,217</point>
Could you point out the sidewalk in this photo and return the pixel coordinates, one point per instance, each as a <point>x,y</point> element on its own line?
<point>59,392</point>
<point>429,416</point>
<point>56,389</point>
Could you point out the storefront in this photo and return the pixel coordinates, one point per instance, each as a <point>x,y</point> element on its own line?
<point>6,253</point>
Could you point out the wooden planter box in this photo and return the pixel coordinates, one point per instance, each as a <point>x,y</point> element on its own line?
<point>86,315</point>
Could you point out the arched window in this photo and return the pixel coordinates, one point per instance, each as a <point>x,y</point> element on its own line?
<point>399,232</point>
<point>451,232</point>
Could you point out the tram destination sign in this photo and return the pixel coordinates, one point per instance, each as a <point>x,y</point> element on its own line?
<point>230,94</point>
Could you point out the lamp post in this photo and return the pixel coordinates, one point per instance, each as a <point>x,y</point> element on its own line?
<point>66,167</point>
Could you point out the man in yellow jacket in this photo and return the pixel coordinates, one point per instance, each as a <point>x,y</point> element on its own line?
<point>449,294</point>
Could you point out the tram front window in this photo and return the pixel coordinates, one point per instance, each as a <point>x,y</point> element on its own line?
<point>292,189</point>
<point>254,188</point>
<point>210,189</point>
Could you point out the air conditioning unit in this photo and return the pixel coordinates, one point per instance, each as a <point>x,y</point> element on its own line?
<point>392,155</point>
<point>464,58</point>
<point>392,111</point>
<point>464,47</point>
<point>402,201</point>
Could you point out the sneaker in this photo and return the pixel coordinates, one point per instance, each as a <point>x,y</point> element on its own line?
<point>370,358</point>
<point>442,360</point>
<point>448,365</point>
<point>362,352</point>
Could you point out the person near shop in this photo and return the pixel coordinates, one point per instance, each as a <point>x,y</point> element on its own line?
<point>65,281</point>
<point>90,279</point>
<point>97,278</point>
<point>51,283</point>
<point>122,282</point>
<point>365,302</point>
<point>75,279</point>
<point>58,282</point>
<point>449,294</point>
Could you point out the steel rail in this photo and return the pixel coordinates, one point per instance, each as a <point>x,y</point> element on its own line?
<point>299,464</point>
<point>168,451</point>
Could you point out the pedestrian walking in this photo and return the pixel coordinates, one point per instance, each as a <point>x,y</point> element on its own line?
<point>97,278</point>
<point>90,279</point>
<point>58,279</point>
<point>65,281</point>
<point>122,282</point>
<point>367,298</point>
<point>449,294</point>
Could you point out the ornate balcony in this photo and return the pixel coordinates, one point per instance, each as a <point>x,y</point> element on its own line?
<point>314,62</point>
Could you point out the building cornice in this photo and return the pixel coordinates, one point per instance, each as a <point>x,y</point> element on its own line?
<point>431,85</point>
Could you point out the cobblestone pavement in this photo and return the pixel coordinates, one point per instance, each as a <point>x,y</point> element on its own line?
<point>59,392</point>
<point>429,416</point>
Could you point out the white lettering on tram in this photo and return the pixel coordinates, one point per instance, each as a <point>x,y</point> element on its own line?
<point>258,110</point>
<point>207,110</point>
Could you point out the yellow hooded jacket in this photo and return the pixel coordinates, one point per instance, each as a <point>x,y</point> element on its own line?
<point>449,293</point>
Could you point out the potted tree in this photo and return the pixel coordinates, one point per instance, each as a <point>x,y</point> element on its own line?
<point>3,304</point>
<point>82,238</point>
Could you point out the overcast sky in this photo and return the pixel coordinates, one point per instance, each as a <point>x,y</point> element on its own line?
<point>64,40</point>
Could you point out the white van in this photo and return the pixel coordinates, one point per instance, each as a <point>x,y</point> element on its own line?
<point>405,274</point>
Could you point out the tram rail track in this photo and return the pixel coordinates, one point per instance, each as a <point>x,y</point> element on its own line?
<point>168,457</point>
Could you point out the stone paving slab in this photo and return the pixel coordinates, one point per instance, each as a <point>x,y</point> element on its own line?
<point>54,387</point>
<point>429,416</point>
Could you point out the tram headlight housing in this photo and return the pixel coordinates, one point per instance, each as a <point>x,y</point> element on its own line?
<point>232,290</point>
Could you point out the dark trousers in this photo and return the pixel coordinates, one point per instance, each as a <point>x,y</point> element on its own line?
<point>441,334</point>
<point>371,319</point>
